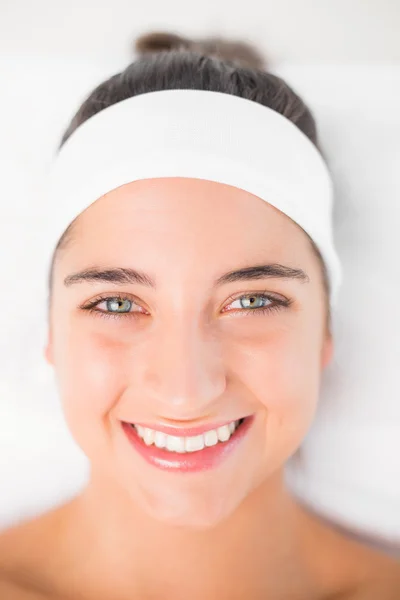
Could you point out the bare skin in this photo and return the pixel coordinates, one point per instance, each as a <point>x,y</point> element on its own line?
<point>60,556</point>
<point>190,355</point>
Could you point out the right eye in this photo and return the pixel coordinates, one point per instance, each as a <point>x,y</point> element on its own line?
<point>113,306</point>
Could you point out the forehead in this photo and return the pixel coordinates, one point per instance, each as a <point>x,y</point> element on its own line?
<point>183,231</point>
<point>186,207</point>
<point>183,226</point>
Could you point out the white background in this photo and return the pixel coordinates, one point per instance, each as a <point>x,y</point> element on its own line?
<point>304,31</point>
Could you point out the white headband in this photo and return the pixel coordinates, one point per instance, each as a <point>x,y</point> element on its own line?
<point>200,134</point>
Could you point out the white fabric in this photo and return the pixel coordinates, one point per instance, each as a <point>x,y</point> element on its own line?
<point>349,465</point>
<point>201,134</point>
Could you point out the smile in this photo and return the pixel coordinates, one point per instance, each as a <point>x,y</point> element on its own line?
<point>183,444</point>
<point>187,452</point>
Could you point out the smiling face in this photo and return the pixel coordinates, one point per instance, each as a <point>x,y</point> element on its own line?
<point>188,351</point>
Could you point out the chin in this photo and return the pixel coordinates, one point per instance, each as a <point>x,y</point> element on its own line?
<point>190,519</point>
<point>200,512</point>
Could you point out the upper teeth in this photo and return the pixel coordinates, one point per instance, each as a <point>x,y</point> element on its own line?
<point>186,444</point>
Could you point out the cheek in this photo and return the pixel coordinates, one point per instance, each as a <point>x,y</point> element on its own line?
<point>91,378</point>
<point>283,375</point>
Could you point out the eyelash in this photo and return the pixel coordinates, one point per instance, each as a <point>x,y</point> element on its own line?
<point>277,306</point>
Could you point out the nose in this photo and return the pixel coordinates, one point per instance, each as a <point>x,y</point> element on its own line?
<point>185,377</point>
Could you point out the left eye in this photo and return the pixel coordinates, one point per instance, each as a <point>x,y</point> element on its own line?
<point>118,305</point>
<point>253,301</point>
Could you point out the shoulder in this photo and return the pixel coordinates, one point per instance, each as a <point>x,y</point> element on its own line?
<point>348,562</point>
<point>17,562</point>
<point>384,581</point>
<point>376,573</point>
<point>370,576</point>
<point>26,550</point>
<point>376,566</point>
<point>382,586</point>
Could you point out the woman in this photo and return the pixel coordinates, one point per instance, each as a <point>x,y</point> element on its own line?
<point>190,323</point>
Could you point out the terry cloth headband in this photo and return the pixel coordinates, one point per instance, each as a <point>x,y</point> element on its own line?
<point>200,134</point>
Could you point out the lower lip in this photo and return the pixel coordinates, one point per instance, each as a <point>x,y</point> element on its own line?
<point>201,460</point>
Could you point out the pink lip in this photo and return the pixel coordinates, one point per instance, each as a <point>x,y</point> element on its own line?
<point>186,431</point>
<point>200,460</point>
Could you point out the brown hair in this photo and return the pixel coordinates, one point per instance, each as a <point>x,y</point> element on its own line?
<point>170,61</point>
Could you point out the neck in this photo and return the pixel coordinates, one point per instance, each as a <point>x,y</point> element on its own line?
<point>253,546</point>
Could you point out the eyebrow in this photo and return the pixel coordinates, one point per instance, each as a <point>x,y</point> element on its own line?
<point>124,276</point>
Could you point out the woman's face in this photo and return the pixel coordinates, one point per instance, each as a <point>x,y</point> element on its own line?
<point>188,351</point>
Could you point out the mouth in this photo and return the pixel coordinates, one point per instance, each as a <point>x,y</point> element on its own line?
<point>190,452</point>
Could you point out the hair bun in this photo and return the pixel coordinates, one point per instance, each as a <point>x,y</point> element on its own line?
<point>241,53</point>
<point>159,41</point>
